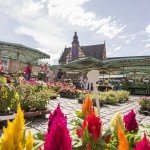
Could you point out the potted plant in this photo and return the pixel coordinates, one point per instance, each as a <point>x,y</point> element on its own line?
<point>111,98</point>
<point>144,102</point>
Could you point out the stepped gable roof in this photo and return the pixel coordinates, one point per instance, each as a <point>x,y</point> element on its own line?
<point>95,51</point>
<point>64,54</point>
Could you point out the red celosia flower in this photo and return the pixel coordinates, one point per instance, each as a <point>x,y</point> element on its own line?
<point>130,121</point>
<point>58,138</point>
<point>93,124</point>
<point>89,147</point>
<point>143,145</point>
<point>107,140</point>
<point>57,112</point>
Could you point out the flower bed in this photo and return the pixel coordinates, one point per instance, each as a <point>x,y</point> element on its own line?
<point>87,134</point>
<point>110,97</point>
<point>32,95</point>
<point>69,93</point>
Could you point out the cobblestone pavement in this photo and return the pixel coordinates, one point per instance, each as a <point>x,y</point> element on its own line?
<point>69,106</point>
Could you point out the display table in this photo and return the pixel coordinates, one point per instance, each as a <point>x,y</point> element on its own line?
<point>139,90</point>
<point>103,88</point>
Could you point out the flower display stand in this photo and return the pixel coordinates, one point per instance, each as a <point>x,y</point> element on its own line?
<point>33,115</point>
<point>145,112</point>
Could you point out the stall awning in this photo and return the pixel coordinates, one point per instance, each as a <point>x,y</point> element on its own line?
<point>21,52</point>
<point>84,63</point>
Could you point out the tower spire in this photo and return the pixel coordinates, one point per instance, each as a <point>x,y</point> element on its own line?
<point>75,38</point>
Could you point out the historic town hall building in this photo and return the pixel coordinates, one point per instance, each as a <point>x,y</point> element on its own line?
<point>77,52</point>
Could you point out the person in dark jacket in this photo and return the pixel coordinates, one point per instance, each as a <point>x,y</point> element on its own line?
<point>60,75</point>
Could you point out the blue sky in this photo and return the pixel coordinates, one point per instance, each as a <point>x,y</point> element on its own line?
<point>49,25</point>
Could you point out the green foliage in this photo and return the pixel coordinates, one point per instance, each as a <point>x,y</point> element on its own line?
<point>39,138</point>
<point>83,95</point>
<point>111,97</point>
<point>102,96</point>
<point>7,93</point>
<point>144,103</point>
<point>80,114</point>
<point>32,97</point>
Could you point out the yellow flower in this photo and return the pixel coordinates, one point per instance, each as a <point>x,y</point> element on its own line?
<point>87,106</point>
<point>29,143</point>
<point>117,119</point>
<point>14,133</point>
<point>16,96</point>
<point>4,80</point>
<point>123,143</point>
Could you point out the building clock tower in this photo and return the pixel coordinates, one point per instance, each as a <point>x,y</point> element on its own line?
<point>75,47</point>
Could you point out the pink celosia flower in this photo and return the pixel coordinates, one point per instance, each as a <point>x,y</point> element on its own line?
<point>130,121</point>
<point>58,138</point>
<point>51,83</point>
<point>143,145</point>
<point>57,112</point>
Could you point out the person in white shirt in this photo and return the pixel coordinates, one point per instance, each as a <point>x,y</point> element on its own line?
<point>49,73</point>
<point>87,84</point>
<point>82,81</point>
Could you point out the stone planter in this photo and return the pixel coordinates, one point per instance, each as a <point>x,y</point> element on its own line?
<point>38,113</point>
<point>101,103</point>
<point>80,100</point>
<point>145,112</point>
<point>6,113</point>
<point>68,96</point>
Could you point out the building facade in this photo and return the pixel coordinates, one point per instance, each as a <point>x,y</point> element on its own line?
<point>76,52</point>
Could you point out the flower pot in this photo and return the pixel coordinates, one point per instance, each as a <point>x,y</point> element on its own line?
<point>120,101</point>
<point>53,97</point>
<point>126,99</point>
<point>80,100</point>
<point>101,103</point>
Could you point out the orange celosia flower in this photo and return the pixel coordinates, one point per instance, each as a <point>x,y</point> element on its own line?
<point>123,143</point>
<point>87,106</point>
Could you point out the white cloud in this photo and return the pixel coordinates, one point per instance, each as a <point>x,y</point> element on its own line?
<point>147,29</point>
<point>147,40</point>
<point>147,45</point>
<point>109,54</point>
<point>127,41</point>
<point>34,21</point>
<point>117,48</point>
<point>122,37</point>
<point>46,21</point>
<point>73,12</point>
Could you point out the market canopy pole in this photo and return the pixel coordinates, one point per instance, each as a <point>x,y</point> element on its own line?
<point>93,77</point>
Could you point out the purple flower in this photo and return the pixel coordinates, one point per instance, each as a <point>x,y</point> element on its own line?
<point>57,112</point>
<point>58,138</point>
<point>144,144</point>
<point>130,121</point>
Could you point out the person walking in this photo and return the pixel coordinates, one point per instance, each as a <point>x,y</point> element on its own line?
<point>28,70</point>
